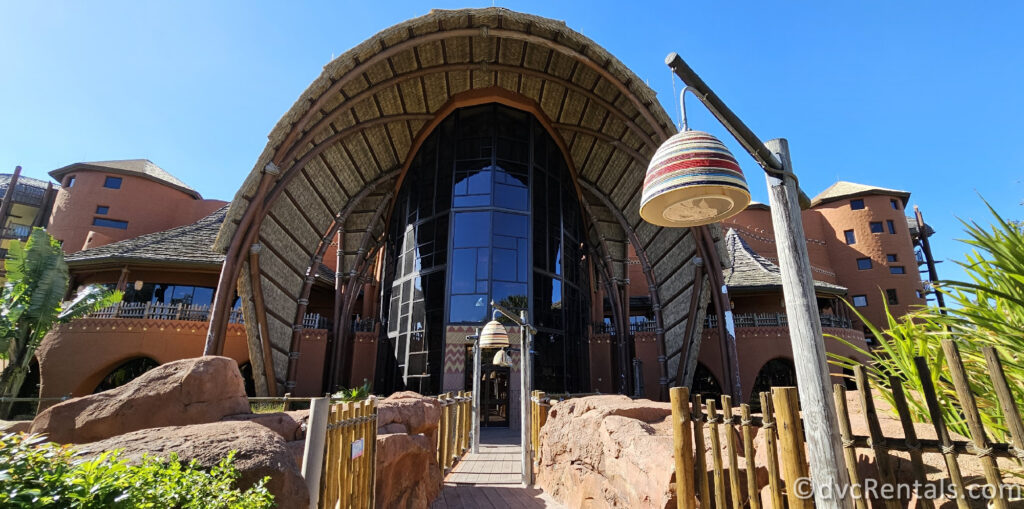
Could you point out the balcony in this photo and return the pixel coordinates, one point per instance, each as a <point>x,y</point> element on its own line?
<point>775,320</point>
<point>17,232</point>
<point>185,312</point>
<point>27,195</point>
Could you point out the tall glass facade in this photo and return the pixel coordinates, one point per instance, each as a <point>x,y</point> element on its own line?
<point>487,184</point>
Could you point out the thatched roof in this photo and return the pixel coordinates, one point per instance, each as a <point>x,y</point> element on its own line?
<point>753,272</point>
<point>845,190</point>
<point>185,245</point>
<point>136,167</point>
<point>357,125</point>
<point>5,180</point>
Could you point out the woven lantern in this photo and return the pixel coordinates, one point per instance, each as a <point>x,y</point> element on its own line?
<point>692,180</point>
<point>502,359</point>
<point>493,335</point>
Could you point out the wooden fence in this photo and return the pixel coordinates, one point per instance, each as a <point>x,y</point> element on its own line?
<point>786,464</point>
<point>349,455</point>
<point>453,430</point>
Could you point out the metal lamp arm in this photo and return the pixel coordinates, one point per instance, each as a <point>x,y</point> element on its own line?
<point>512,316</point>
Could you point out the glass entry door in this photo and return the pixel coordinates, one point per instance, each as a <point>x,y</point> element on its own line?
<point>494,395</point>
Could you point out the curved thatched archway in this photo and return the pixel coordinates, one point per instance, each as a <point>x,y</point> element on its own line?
<point>335,159</point>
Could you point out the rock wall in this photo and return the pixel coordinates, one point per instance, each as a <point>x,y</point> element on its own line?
<point>608,451</point>
<point>408,475</point>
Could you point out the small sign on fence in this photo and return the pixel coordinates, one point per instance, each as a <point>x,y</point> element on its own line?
<point>357,448</point>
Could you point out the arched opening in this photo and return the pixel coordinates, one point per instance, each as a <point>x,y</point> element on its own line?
<point>705,384</point>
<point>487,211</point>
<point>778,372</point>
<point>125,373</point>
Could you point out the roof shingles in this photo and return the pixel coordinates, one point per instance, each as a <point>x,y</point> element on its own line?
<point>751,271</point>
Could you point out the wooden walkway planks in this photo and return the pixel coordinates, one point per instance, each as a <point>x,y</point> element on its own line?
<point>492,478</point>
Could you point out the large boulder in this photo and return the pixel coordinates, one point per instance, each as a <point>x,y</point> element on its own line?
<point>183,392</point>
<point>419,414</point>
<point>408,475</point>
<point>608,451</point>
<point>290,425</point>
<point>260,453</point>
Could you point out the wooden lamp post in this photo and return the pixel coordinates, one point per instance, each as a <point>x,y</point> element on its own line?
<point>691,182</point>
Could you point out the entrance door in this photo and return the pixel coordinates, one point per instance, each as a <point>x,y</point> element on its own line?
<point>494,389</point>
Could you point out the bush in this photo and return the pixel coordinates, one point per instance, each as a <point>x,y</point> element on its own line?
<point>36,473</point>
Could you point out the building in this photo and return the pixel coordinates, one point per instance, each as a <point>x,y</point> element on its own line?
<point>26,204</point>
<point>107,201</point>
<point>452,160</point>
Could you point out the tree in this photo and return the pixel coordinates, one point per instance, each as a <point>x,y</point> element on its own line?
<point>31,304</point>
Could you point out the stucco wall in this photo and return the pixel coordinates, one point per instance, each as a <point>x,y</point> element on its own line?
<point>146,205</point>
<point>75,357</point>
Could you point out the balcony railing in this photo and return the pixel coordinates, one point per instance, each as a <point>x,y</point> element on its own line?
<point>186,312</point>
<point>634,327</point>
<point>28,195</point>
<point>774,320</point>
<point>19,232</point>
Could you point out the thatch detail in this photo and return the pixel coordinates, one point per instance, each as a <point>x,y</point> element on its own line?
<point>360,118</point>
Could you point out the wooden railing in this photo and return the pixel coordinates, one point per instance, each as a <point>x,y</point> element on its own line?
<point>348,451</point>
<point>786,462</point>
<point>775,320</point>
<point>453,431</point>
<point>186,312</point>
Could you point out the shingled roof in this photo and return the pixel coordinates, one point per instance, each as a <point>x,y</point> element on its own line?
<point>751,271</point>
<point>184,245</point>
<point>5,180</point>
<point>843,189</point>
<point>137,167</point>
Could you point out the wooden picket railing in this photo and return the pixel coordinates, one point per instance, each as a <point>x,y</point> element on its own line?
<point>786,464</point>
<point>347,476</point>
<point>453,430</point>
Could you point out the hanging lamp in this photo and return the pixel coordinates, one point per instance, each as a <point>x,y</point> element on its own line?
<point>692,180</point>
<point>494,335</point>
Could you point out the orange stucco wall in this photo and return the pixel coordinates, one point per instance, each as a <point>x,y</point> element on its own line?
<point>75,357</point>
<point>146,205</point>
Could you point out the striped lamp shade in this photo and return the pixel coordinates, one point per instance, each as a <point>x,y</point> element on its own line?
<point>493,335</point>
<point>692,180</point>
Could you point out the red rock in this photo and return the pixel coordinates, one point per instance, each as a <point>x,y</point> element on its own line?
<point>188,391</point>
<point>260,453</point>
<point>287,424</point>
<point>420,414</point>
<point>15,426</point>
<point>297,448</point>
<point>608,451</point>
<point>408,475</point>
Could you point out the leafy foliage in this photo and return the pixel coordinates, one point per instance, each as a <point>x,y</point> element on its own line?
<point>355,393</point>
<point>35,473</point>
<point>987,310</point>
<point>30,304</point>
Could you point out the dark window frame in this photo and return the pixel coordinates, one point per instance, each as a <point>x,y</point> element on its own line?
<point>864,264</point>
<point>891,226</point>
<point>69,182</point>
<point>894,204</point>
<point>863,299</point>
<point>891,297</point>
<point>102,210</point>
<point>111,182</point>
<point>857,204</point>
<point>851,237</point>
<point>897,270</point>
<point>876,229</point>
<point>110,223</point>
<point>892,258</point>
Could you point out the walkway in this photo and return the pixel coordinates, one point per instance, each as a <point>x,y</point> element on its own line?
<point>492,478</point>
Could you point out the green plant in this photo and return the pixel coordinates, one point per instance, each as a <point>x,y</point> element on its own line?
<point>30,305</point>
<point>36,473</point>
<point>355,393</point>
<point>987,310</point>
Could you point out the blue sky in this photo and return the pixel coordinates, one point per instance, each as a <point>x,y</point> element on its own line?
<point>925,97</point>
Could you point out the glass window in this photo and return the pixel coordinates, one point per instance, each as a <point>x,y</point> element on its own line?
<point>70,182</point>
<point>860,301</point>
<point>851,238</point>
<point>891,258</point>
<point>863,263</point>
<point>102,209</point>
<point>897,270</point>
<point>856,204</point>
<point>112,182</point>
<point>891,226</point>
<point>472,229</point>
<point>876,227</point>
<point>890,296</point>
<point>895,204</point>
<point>110,223</point>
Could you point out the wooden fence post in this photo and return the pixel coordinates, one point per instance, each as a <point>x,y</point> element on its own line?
<point>313,452</point>
<point>700,460</point>
<point>730,449</point>
<point>716,456</point>
<point>771,447</point>
<point>935,413</point>
<point>846,434</point>
<point>791,441</point>
<point>748,457</point>
<point>682,443</point>
<point>910,437</point>
<point>878,446</point>
<point>983,449</point>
